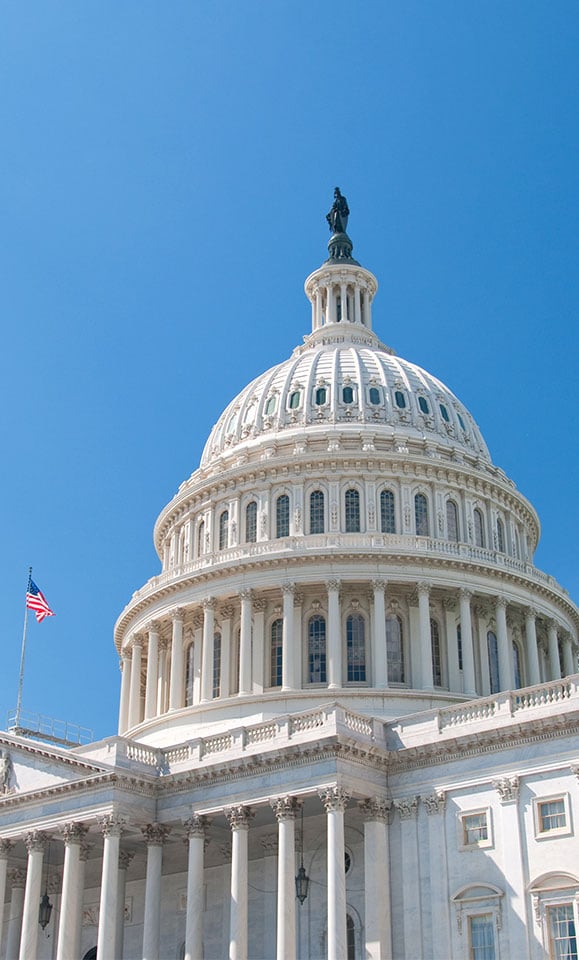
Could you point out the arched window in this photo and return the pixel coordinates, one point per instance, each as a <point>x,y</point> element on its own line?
<point>451,520</point>
<point>493,655</point>
<point>294,400</point>
<point>356,648</point>
<point>223,527</point>
<point>479,528</point>
<point>436,654</point>
<point>251,522</point>
<point>387,517</point>
<point>517,545</point>
<point>350,938</point>
<point>276,652</point>
<point>352,502</point>
<point>216,664</point>
<point>321,396</point>
<point>423,404</point>
<point>459,645</point>
<point>394,649</point>
<point>189,674</point>
<point>282,516</point>
<point>348,395</point>
<point>317,649</point>
<point>500,535</point>
<point>517,666</point>
<point>421,515</point>
<point>201,539</point>
<point>400,399</point>
<point>317,512</point>
<point>375,397</point>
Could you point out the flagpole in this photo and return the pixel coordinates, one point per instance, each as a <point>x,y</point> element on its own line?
<point>22,655</point>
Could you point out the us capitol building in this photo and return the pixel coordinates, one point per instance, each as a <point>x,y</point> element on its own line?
<point>349,707</point>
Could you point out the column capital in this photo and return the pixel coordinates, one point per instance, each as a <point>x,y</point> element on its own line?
<point>378,585</point>
<point>259,606</point>
<point>332,585</point>
<point>111,825</point>
<point>17,878</point>
<point>36,840</point>
<point>407,808</point>
<point>466,594</point>
<point>239,817</point>
<point>226,611</point>
<point>285,808</point>
<point>125,859</point>
<point>449,603</point>
<point>376,809</point>
<point>209,603</point>
<point>435,803</point>
<point>288,589</point>
<point>5,848</point>
<point>155,834</point>
<point>334,798</point>
<point>298,599</point>
<point>507,788</point>
<point>501,602</point>
<point>246,595</point>
<point>85,849</point>
<point>135,640</point>
<point>531,613</point>
<point>552,624</point>
<point>178,615</point>
<point>154,626</point>
<point>74,832</point>
<point>423,588</point>
<point>196,825</point>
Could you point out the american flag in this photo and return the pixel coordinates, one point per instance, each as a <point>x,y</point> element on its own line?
<point>35,600</point>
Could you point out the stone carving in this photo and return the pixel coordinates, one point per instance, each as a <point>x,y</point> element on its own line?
<point>239,817</point>
<point>269,844</point>
<point>209,603</point>
<point>17,878</point>
<point>5,771</point>
<point>36,840</point>
<point>407,808</point>
<point>74,832</point>
<point>85,849</point>
<point>125,859</point>
<point>332,585</point>
<point>155,834</point>
<point>334,798</point>
<point>435,803</point>
<point>259,606</point>
<point>5,848</point>
<point>508,788</point>
<point>111,825</point>
<point>285,808</point>
<point>196,826</point>
<point>376,808</point>
<point>227,611</point>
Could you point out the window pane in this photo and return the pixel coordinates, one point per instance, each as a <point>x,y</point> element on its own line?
<point>352,511</point>
<point>270,406</point>
<point>451,520</point>
<point>282,516</point>
<point>493,653</point>
<point>348,395</point>
<point>517,666</point>
<point>201,539</point>
<point>444,413</point>
<point>317,650</point>
<point>374,396</point>
<point>294,400</point>
<point>482,938</point>
<point>321,394</point>
<point>500,536</point>
<point>423,404</point>
<point>223,524</point>
<point>421,515</point>
<point>387,518</point>
<point>356,647</point>
<point>251,522</point>
<point>400,399</point>
<point>216,664</point>
<point>394,650</point>
<point>189,674</point>
<point>562,932</point>
<point>459,645</point>
<point>551,815</point>
<point>317,512</point>
<point>276,652</point>
<point>436,659</point>
<point>479,535</point>
<point>475,828</point>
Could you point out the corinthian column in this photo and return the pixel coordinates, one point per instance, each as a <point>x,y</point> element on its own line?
<point>176,686</point>
<point>288,681</point>
<point>554,661</point>
<point>334,640</point>
<point>17,879</point>
<point>380,650</point>
<point>125,857</point>
<point>426,674</point>
<point>155,835</point>
<point>35,844</point>
<point>245,644</point>
<point>239,818</point>
<point>376,879</point>
<point>135,690</point>
<point>335,801</point>
<point>506,669</point>
<point>207,662</point>
<point>125,665</point>
<point>467,643</point>
<point>112,827</point>
<point>532,649</point>
<point>5,848</point>
<point>196,828</point>
<point>285,810</point>
<point>72,892</point>
<point>152,673</point>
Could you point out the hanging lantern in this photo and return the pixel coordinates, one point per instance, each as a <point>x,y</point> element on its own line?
<point>302,879</point>
<point>44,911</point>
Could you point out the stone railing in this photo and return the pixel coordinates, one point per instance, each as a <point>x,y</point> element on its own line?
<point>350,542</point>
<point>544,699</point>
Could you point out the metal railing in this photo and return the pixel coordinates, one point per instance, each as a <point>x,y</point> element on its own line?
<point>37,726</point>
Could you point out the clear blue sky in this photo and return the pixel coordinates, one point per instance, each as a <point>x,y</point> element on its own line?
<point>165,172</point>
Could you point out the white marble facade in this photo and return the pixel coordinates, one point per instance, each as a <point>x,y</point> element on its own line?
<point>348,652</point>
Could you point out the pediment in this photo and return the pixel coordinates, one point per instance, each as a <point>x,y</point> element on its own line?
<point>26,766</point>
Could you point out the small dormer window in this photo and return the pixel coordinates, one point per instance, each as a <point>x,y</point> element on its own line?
<point>461,421</point>
<point>444,413</point>
<point>374,395</point>
<point>423,404</point>
<point>400,399</point>
<point>294,400</point>
<point>348,395</point>
<point>270,406</point>
<point>321,396</point>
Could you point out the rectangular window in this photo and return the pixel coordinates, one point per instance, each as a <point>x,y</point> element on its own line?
<point>482,937</point>
<point>552,815</point>
<point>475,830</point>
<point>562,935</point>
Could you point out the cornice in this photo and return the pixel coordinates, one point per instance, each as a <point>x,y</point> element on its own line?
<point>36,750</point>
<point>127,783</point>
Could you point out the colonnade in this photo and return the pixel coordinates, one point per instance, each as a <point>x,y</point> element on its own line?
<point>175,662</point>
<point>21,936</point>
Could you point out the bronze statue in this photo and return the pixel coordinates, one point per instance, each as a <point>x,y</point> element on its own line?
<point>338,216</point>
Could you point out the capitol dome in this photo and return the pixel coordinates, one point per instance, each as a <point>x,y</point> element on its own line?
<point>346,534</point>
